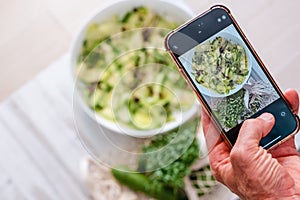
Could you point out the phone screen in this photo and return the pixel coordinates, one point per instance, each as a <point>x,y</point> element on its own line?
<point>224,70</point>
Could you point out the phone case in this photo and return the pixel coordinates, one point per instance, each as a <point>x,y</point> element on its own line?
<point>204,105</point>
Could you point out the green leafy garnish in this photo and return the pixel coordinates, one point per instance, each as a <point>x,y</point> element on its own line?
<point>179,146</point>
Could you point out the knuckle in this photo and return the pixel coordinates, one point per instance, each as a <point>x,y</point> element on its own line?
<point>239,157</point>
<point>216,172</point>
<point>236,155</point>
<point>217,175</point>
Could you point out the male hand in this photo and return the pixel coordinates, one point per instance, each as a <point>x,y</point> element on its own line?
<point>249,170</point>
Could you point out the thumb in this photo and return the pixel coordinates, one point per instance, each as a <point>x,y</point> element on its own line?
<point>253,130</point>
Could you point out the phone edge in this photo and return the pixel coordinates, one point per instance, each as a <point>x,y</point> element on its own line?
<point>178,65</point>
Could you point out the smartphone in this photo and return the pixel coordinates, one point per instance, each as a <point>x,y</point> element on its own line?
<point>230,80</point>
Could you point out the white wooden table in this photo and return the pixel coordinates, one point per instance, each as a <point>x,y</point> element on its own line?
<point>40,150</point>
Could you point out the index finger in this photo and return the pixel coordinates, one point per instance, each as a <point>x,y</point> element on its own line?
<point>217,148</point>
<point>211,133</point>
<point>292,97</point>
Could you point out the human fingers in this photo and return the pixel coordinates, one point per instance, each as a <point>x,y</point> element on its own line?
<point>292,97</point>
<point>288,148</point>
<point>250,134</point>
<point>211,133</point>
<point>217,148</point>
<point>262,174</point>
<point>254,129</point>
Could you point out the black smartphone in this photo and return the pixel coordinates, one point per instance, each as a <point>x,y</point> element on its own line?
<point>228,77</point>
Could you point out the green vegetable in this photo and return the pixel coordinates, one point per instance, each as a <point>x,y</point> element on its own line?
<point>139,182</point>
<point>126,77</point>
<point>170,156</point>
<point>238,107</point>
<point>230,109</point>
<point>220,65</point>
<point>160,174</point>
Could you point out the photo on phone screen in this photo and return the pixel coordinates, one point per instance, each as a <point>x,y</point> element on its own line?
<point>223,69</point>
<point>228,76</point>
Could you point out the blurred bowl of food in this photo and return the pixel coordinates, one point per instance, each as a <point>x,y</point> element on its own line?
<point>124,79</point>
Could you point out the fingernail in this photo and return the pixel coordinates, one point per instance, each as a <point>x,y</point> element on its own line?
<point>266,116</point>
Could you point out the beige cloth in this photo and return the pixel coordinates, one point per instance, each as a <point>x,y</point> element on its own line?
<point>101,185</point>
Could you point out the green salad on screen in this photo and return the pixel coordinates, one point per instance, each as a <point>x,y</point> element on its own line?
<point>220,65</point>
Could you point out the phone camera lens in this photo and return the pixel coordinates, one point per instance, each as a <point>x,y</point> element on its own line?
<point>223,17</point>
<point>219,20</point>
<point>200,24</point>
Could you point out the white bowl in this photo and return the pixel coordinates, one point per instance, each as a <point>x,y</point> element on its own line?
<point>174,10</point>
<point>237,40</point>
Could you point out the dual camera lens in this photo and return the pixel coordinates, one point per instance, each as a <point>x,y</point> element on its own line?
<point>220,19</point>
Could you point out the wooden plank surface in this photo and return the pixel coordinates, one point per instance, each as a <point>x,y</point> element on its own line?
<point>40,152</point>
